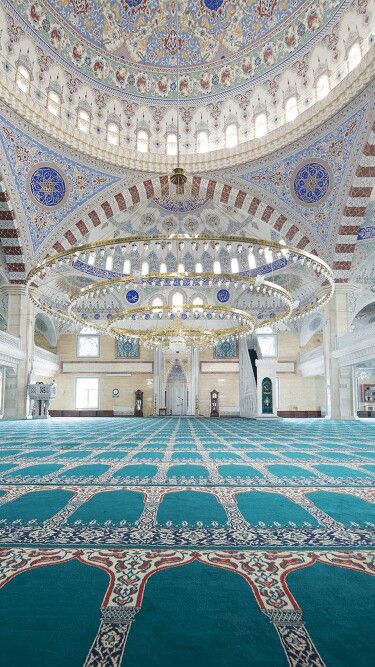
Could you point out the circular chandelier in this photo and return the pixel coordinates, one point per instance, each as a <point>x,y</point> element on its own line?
<point>180,291</point>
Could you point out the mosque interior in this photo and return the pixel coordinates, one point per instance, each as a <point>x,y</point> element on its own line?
<point>187,333</point>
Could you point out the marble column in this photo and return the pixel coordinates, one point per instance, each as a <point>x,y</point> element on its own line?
<point>20,324</point>
<point>194,382</point>
<point>339,400</point>
<point>158,380</point>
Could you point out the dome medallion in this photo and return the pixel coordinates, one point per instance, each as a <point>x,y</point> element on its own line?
<point>223,295</point>
<point>132,296</point>
<point>311,182</point>
<point>47,186</point>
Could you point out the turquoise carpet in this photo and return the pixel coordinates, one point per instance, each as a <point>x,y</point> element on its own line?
<point>157,542</point>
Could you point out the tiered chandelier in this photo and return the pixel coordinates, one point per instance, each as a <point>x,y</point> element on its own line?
<point>132,300</point>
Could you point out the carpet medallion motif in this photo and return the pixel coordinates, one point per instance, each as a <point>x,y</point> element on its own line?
<point>179,500</point>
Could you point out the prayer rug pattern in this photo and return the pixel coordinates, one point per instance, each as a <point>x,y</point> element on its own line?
<point>135,497</point>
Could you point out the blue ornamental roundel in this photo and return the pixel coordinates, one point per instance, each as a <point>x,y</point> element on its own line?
<point>311,183</point>
<point>47,186</point>
<point>223,295</point>
<point>132,296</point>
<point>213,5</point>
<point>133,3</point>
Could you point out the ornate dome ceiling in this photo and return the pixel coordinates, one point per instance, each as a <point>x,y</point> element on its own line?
<point>221,45</point>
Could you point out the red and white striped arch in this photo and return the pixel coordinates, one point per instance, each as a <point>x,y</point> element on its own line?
<point>197,187</point>
<point>10,239</point>
<point>355,210</point>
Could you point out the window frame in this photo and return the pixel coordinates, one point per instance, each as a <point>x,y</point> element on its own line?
<point>200,135</point>
<point>140,141</point>
<point>167,143</point>
<point>85,356</point>
<point>55,104</point>
<point>79,120</point>
<point>231,143</point>
<point>259,115</point>
<point>322,77</point>
<point>352,62</point>
<point>86,377</point>
<point>263,336</point>
<point>114,133</point>
<point>292,112</point>
<point>21,77</point>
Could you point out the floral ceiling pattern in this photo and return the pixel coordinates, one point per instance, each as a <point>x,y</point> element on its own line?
<point>310,180</point>
<point>50,186</point>
<point>134,45</point>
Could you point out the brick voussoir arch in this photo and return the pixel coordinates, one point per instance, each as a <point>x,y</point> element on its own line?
<point>199,187</point>
<point>355,210</point>
<point>10,238</point>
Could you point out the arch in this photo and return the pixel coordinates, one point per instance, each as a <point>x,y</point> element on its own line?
<point>198,187</point>
<point>354,211</point>
<point>45,326</point>
<point>10,239</point>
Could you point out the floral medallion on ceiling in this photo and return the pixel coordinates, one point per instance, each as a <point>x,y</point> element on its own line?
<point>47,185</point>
<point>135,45</point>
<point>311,182</point>
<point>50,186</point>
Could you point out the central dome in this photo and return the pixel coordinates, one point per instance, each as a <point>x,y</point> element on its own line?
<point>158,32</point>
<point>220,46</point>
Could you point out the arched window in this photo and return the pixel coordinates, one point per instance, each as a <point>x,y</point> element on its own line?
<point>23,78</point>
<point>91,258</point>
<point>322,86</point>
<point>268,256</point>
<point>251,260</point>
<point>199,303</point>
<point>109,263</point>
<point>234,266</point>
<point>231,135</point>
<point>198,268</point>
<point>157,304</point>
<point>144,269</point>
<point>171,143</point>
<point>142,141</point>
<point>181,268</point>
<point>291,109</point>
<point>113,134</point>
<point>202,141</point>
<point>126,267</point>
<point>177,301</point>
<point>354,56</point>
<point>217,267</point>
<point>163,267</point>
<point>83,120</point>
<point>54,103</point>
<point>260,125</point>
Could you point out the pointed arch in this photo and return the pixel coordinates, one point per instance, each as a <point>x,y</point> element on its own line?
<point>197,187</point>
<point>355,210</point>
<point>10,238</point>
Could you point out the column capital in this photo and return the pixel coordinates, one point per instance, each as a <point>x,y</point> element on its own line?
<point>13,289</point>
<point>346,288</point>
